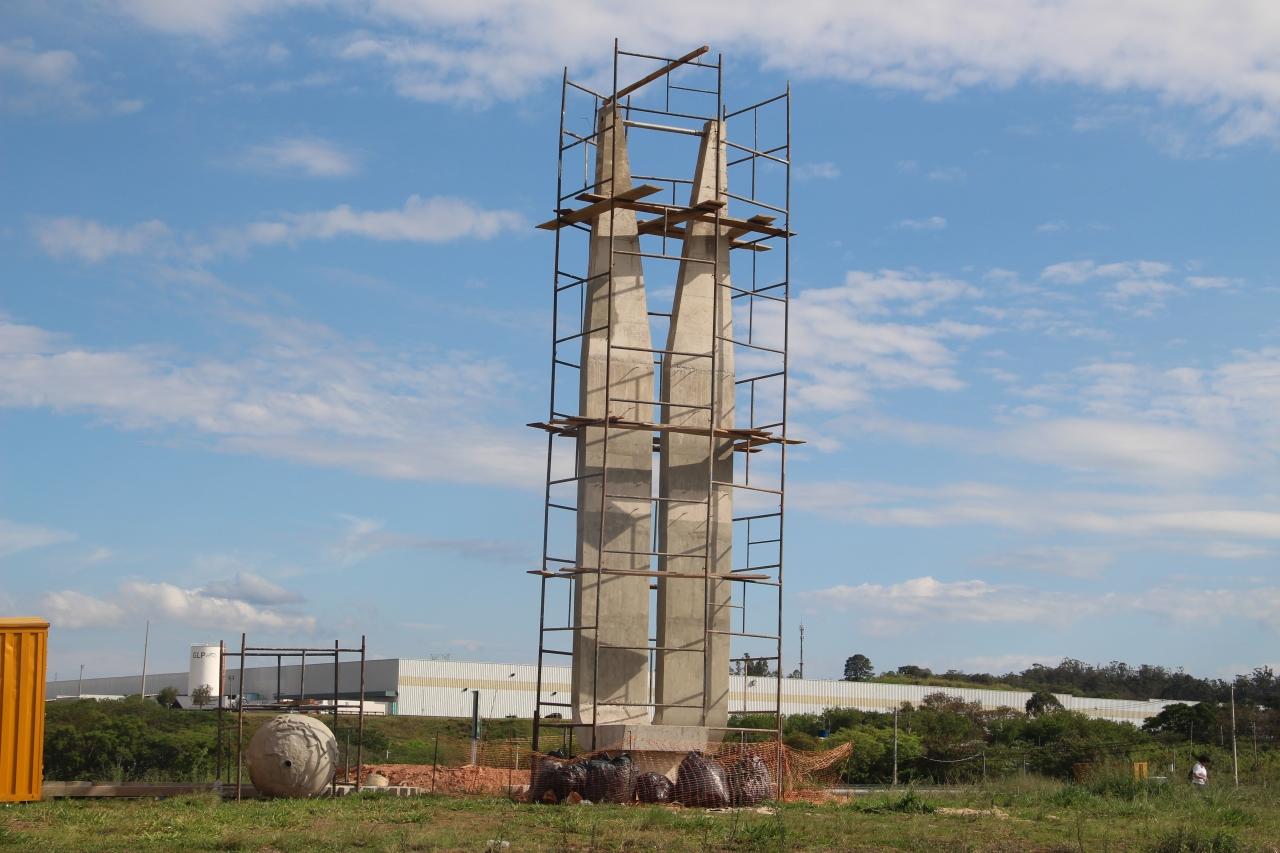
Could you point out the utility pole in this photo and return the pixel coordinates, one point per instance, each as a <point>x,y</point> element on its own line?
<point>475,724</point>
<point>1235,756</point>
<point>146,639</point>
<point>802,650</point>
<point>80,684</point>
<point>895,747</point>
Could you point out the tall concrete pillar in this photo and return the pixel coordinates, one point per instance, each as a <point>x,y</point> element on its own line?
<point>690,608</point>
<point>614,510</point>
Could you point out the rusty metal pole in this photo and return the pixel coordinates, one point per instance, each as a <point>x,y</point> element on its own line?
<point>334,782</point>
<point>222,677</point>
<point>435,762</point>
<point>360,737</point>
<point>240,722</point>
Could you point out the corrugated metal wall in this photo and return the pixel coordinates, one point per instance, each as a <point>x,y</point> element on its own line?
<point>23,653</point>
<point>442,688</point>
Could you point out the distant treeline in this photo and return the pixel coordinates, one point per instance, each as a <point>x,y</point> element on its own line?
<point>1116,680</point>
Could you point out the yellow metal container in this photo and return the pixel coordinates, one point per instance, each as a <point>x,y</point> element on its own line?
<point>23,648</point>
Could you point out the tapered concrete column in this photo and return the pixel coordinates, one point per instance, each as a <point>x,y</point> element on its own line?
<point>689,608</point>
<point>614,510</point>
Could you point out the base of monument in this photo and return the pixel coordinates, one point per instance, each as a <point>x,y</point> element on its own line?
<point>656,749</point>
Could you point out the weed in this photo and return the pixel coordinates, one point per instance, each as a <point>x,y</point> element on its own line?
<point>908,803</point>
<point>1187,840</point>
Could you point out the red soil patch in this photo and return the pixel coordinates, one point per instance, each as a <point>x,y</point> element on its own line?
<point>469,779</point>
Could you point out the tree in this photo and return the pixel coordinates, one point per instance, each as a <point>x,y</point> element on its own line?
<point>754,667</point>
<point>1196,722</point>
<point>1042,702</point>
<point>201,696</point>
<point>795,673</point>
<point>167,696</point>
<point>858,668</point>
<point>913,671</point>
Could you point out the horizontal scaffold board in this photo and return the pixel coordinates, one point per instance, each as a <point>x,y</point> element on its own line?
<point>600,205</point>
<point>570,571</point>
<point>751,437</point>
<point>630,200</point>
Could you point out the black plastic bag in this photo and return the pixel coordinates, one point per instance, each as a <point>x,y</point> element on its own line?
<point>700,782</point>
<point>607,781</point>
<point>653,788</point>
<point>627,774</point>
<point>749,781</point>
<point>557,779</point>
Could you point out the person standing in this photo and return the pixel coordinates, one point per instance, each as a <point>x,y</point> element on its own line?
<point>1199,775</point>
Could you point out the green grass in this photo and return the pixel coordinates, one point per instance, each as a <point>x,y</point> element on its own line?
<point>1020,815</point>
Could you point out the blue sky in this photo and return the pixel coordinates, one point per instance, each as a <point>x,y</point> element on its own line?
<point>273,315</point>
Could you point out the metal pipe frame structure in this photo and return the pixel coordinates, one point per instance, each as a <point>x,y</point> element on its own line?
<point>280,653</point>
<point>769,228</point>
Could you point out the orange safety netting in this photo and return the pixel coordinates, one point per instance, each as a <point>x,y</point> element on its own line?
<point>725,774</point>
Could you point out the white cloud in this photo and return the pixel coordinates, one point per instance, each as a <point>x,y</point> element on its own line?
<point>1139,287</point>
<point>1236,402</point>
<point>199,608</point>
<point>33,80</point>
<point>1213,606</point>
<point>893,608</point>
<point>47,67</point>
<point>947,174</point>
<point>841,349</point>
<point>886,608</point>
<point>1076,562</point>
<point>438,219</point>
<point>931,223</point>
<point>71,609</point>
<point>1076,272</point>
<point>315,158</point>
<point>15,537</point>
<point>233,604</point>
<point>253,589</point>
<point>889,291</point>
<point>366,537</point>
<point>92,242</point>
<point>1051,227</point>
<point>38,77</point>
<point>302,393</point>
<point>1015,662</point>
<point>98,555</point>
<point>821,171</point>
<point>1159,515</point>
<point>215,19</point>
<point>1208,282</point>
<point>1124,449</point>
<point>1234,551</point>
<point>1196,52</point>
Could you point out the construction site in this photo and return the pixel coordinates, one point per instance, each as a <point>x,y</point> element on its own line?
<point>656,680</point>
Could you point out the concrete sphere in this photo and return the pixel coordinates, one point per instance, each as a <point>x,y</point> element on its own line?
<point>292,756</point>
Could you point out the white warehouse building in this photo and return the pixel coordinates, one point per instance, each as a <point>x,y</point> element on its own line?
<point>440,688</point>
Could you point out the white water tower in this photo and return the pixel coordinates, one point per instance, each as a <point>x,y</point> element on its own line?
<point>205,663</point>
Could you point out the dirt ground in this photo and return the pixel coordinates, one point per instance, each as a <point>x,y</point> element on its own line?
<point>469,779</point>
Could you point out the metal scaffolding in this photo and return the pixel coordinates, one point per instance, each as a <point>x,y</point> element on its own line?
<point>676,98</point>
<point>281,703</point>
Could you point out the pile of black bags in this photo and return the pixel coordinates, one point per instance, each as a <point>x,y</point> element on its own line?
<point>701,782</point>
